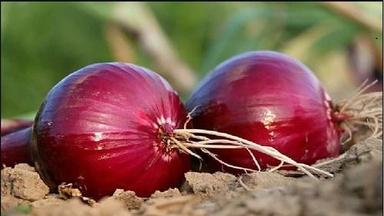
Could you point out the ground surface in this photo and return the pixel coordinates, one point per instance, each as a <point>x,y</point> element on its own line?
<point>355,190</point>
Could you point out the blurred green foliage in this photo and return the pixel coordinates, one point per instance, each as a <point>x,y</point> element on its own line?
<point>43,42</point>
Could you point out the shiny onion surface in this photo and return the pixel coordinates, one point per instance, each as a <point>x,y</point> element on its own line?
<point>270,99</point>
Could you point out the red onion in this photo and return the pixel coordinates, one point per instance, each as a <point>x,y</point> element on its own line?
<point>15,147</point>
<point>107,126</point>
<point>11,125</point>
<point>270,99</point>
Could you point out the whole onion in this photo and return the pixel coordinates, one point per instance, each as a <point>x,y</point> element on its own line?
<point>107,126</point>
<point>273,100</point>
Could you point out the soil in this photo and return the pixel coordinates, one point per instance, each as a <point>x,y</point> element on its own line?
<point>356,190</point>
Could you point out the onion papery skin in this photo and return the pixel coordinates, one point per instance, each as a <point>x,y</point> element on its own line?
<point>271,99</point>
<point>100,129</point>
<point>15,147</point>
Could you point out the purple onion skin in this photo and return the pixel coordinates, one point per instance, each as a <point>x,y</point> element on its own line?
<point>11,125</point>
<point>270,99</point>
<point>15,147</point>
<point>100,129</point>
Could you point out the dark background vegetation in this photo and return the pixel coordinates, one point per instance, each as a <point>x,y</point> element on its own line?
<point>43,42</point>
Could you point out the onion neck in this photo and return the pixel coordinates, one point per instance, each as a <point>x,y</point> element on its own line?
<point>339,117</point>
<point>363,111</point>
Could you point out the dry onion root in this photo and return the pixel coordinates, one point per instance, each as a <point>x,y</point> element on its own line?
<point>198,138</point>
<point>186,139</point>
<point>362,110</point>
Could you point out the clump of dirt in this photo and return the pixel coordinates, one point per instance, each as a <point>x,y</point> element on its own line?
<point>172,192</point>
<point>208,185</point>
<point>20,186</point>
<point>128,198</point>
<point>347,194</point>
<point>356,190</point>
<point>22,182</point>
<point>264,180</point>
